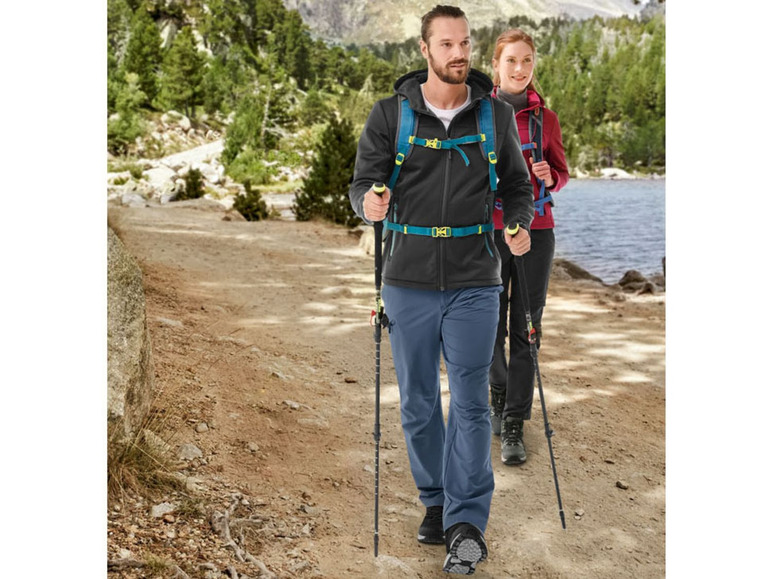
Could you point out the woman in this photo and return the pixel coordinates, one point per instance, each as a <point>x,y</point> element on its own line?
<point>514,63</point>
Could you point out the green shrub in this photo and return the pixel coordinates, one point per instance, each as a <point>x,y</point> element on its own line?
<point>249,166</point>
<point>325,192</point>
<point>194,186</point>
<point>251,204</point>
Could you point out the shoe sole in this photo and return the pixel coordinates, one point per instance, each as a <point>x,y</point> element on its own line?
<point>467,550</point>
<point>512,462</point>
<point>429,540</point>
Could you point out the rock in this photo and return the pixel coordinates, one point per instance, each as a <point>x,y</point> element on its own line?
<point>155,442</point>
<point>130,371</point>
<point>613,173</point>
<point>632,276</point>
<point>162,509</point>
<point>634,281</point>
<point>141,188</point>
<point>622,485</point>
<point>562,268</point>
<point>174,118</point>
<point>233,215</point>
<point>189,451</point>
<point>202,427</point>
<point>292,404</point>
<point>253,447</point>
<point>158,176</point>
<point>131,199</point>
<point>648,288</point>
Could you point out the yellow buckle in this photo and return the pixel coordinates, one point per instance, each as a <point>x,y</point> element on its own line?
<point>482,137</point>
<point>433,144</point>
<point>441,231</point>
<point>400,158</point>
<point>492,158</point>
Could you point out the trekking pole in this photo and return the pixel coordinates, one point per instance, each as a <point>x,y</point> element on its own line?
<point>379,189</point>
<point>520,266</point>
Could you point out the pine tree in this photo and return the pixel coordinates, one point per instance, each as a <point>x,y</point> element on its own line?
<point>128,125</point>
<point>183,73</point>
<point>143,53</point>
<point>325,191</point>
<point>294,44</point>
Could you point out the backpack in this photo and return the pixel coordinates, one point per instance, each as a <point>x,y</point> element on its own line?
<point>408,125</point>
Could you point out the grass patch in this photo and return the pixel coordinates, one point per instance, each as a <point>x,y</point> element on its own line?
<point>144,467</point>
<point>134,169</point>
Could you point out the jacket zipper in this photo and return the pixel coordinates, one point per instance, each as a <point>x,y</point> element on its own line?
<point>445,192</point>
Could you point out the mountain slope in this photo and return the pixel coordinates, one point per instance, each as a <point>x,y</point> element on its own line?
<point>363,21</point>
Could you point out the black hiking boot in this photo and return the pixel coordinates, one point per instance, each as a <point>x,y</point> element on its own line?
<point>497,407</point>
<point>512,447</point>
<point>466,548</point>
<point>431,531</point>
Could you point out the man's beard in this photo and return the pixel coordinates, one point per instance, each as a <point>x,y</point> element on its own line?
<point>447,75</point>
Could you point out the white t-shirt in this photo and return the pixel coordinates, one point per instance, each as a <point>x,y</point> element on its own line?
<point>446,115</point>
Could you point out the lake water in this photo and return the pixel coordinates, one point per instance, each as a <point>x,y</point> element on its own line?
<point>605,226</point>
<point>610,226</point>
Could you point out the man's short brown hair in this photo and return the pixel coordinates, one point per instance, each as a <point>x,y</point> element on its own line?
<point>437,12</point>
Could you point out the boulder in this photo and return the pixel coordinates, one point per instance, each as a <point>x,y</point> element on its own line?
<point>158,176</point>
<point>632,276</point>
<point>614,173</point>
<point>635,281</point>
<point>564,269</point>
<point>129,355</point>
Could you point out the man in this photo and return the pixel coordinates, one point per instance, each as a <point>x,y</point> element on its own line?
<point>441,291</point>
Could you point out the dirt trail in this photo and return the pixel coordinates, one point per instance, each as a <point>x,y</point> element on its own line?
<point>261,330</point>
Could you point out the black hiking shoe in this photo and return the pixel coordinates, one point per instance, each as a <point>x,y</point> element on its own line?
<point>512,447</point>
<point>497,407</point>
<point>431,531</point>
<point>466,548</point>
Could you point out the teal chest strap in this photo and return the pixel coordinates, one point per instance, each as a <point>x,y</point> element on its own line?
<point>440,231</point>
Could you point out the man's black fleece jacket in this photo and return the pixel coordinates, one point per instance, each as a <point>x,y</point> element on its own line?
<point>436,189</point>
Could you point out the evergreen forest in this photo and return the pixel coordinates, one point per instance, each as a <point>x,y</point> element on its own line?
<point>252,69</point>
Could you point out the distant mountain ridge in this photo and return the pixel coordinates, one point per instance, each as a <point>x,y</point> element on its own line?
<point>365,21</point>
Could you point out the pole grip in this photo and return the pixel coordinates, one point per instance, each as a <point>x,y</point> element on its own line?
<point>514,231</point>
<point>379,188</point>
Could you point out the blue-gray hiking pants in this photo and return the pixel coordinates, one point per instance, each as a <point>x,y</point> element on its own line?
<point>451,465</point>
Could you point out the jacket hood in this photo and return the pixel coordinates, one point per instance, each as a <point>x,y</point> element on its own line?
<point>409,86</point>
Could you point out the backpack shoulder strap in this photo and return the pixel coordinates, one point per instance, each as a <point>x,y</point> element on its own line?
<point>487,130</point>
<point>535,122</point>
<point>407,121</point>
<point>535,117</point>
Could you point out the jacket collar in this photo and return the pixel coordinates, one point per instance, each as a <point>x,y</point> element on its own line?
<point>534,99</point>
<point>409,86</point>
